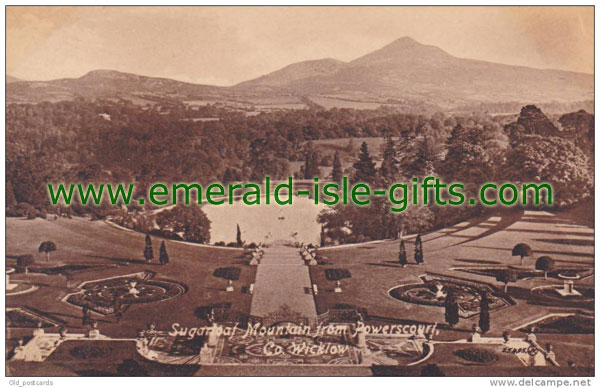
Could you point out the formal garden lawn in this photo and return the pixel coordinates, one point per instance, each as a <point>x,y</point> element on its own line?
<point>375,270</point>
<point>94,250</point>
<point>80,241</point>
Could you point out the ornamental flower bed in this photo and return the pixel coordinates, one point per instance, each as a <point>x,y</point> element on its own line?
<point>105,296</point>
<point>467,293</point>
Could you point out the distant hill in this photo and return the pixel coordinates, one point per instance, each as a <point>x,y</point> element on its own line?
<point>11,79</point>
<point>403,74</point>
<point>106,84</point>
<point>295,72</point>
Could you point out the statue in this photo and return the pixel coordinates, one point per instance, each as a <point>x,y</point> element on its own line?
<point>338,287</point>
<point>205,354</point>
<point>94,332</point>
<point>440,294</point>
<point>213,338</point>
<point>475,334</point>
<point>132,290</point>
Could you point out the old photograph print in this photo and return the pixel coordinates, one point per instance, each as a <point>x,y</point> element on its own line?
<point>169,209</point>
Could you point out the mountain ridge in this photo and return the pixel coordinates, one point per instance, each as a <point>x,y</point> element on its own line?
<point>403,71</point>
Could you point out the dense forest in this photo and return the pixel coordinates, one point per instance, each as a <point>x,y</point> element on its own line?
<point>85,141</point>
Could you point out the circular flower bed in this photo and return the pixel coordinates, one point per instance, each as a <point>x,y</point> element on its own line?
<point>468,296</point>
<point>107,295</point>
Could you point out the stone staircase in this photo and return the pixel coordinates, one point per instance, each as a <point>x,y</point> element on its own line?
<point>282,278</point>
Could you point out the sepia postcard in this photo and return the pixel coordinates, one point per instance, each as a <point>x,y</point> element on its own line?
<point>300,191</point>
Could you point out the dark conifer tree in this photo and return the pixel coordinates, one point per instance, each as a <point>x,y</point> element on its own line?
<point>364,166</point>
<point>451,309</point>
<point>484,313</point>
<point>336,172</point>
<point>419,250</point>
<point>238,236</point>
<point>148,252</point>
<point>163,255</point>
<point>311,163</point>
<point>402,254</point>
<point>389,165</point>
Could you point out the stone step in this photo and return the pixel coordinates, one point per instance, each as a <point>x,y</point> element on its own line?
<point>282,278</point>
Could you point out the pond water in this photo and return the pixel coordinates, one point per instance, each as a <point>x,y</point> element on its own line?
<point>269,224</point>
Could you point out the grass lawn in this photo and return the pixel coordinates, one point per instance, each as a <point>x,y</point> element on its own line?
<point>486,242</point>
<point>81,241</point>
<point>96,250</point>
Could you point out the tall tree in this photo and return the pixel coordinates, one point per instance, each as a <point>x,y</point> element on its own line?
<point>546,264</point>
<point>418,155</point>
<point>402,254</point>
<point>311,161</point>
<point>467,159</point>
<point>238,236</point>
<point>522,250</point>
<point>484,313</point>
<point>388,171</point>
<point>336,172</point>
<point>451,309</point>
<point>552,160</point>
<point>506,276</point>
<point>579,128</point>
<point>419,250</point>
<point>187,222</point>
<point>364,166</point>
<point>163,256</point>
<point>10,195</point>
<point>148,252</point>
<point>47,247</point>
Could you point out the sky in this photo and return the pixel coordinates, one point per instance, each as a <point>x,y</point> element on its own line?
<point>227,45</point>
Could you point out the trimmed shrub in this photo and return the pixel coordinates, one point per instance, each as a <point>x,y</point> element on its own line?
<point>229,273</point>
<point>337,274</point>
<point>25,261</point>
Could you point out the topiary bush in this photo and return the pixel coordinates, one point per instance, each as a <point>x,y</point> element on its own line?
<point>230,273</point>
<point>24,261</point>
<point>483,356</point>
<point>337,274</point>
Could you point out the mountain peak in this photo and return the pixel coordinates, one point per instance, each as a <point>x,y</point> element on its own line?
<point>405,41</point>
<point>402,49</point>
<point>102,73</point>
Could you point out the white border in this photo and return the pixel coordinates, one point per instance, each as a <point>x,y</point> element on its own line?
<point>277,381</point>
